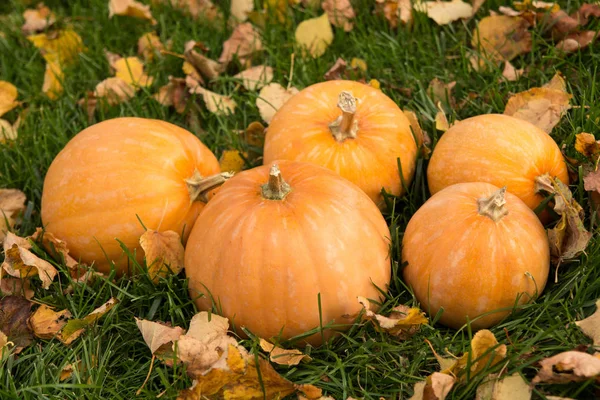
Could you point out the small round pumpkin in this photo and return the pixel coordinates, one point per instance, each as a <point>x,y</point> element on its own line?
<point>498,149</point>
<point>116,171</point>
<point>275,238</point>
<point>475,250</point>
<point>350,128</point>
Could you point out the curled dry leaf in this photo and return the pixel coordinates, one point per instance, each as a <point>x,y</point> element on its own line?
<point>440,91</point>
<point>14,314</point>
<point>445,12</point>
<point>22,263</point>
<point>115,90</point>
<point>271,98</point>
<point>586,11</point>
<point>131,70</point>
<point>174,94</point>
<point>587,145</point>
<point>395,10</point>
<point>202,64</point>
<point>337,70</point>
<point>441,122</point>
<point>243,43</point>
<point>16,287</point>
<point>500,38</point>
<point>8,97</point>
<point>435,387</point>
<point>591,325</point>
<point>569,366</point>
<point>560,23</point>
<point>402,322</point>
<point>37,19</point>
<point>510,73</point>
<point>46,323</point>
<point>75,327</point>
<point>163,252</point>
<point>157,335</point>
<point>314,35</point>
<point>283,356</point>
<point>511,387</point>
<point>340,13</point>
<point>232,161</point>
<point>576,41</point>
<point>12,203</point>
<point>256,77</point>
<point>241,8</point>
<point>149,46</point>
<point>130,8</point>
<point>55,247</point>
<point>543,107</point>
<point>215,103</point>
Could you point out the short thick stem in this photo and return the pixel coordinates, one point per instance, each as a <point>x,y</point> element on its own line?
<point>276,188</point>
<point>493,206</point>
<point>199,186</point>
<point>345,126</point>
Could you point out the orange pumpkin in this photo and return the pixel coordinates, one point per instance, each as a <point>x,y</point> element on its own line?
<point>350,128</point>
<point>117,170</point>
<point>498,149</point>
<point>475,250</point>
<point>270,242</point>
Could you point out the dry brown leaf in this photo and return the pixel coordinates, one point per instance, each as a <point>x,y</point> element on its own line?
<point>215,103</point>
<point>576,41</point>
<point>22,263</point>
<point>561,24</point>
<point>55,247</point>
<point>46,323</point>
<point>569,366</point>
<point>157,335</point>
<point>501,38</point>
<point>340,13</point>
<point>314,35</point>
<point>271,98</point>
<point>61,47</point>
<point>174,94</point>
<point>149,46</point>
<point>14,314</point>
<point>243,43</point>
<point>114,90</point>
<point>586,11</point>
<point>12,203</point>
<point>241,8</point>
<point>163,252</point>
<point>402,322</point>
<point>37,19</point>
<point>440,91</point>
<point>79,366</point>
<point>510,73</point>
<point>3,342</point>
<point>445,12</point>
<point>282,356</point>
<point>232,161</point>
<point>131,70</point>
<point>441,122</point>
<point>16,287</point>
<point>586,144</point>
<point>75,327</point>
<point>256,77</point>
<point>198,9</point>
<point>591,325</point>
<point>511,387</point>
<point>130,8</point>
<point>8,97</point>
<point>543,107</point>
<point>395,10</point>
<point>337,70</point>
<point>436,387</point>
<point>202,64</point>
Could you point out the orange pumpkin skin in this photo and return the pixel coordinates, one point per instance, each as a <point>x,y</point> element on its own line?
<point>264,262</point>
<point>113,171</point>
<point>498,149</point>
<point>469,264</point>
<point>300,131</point>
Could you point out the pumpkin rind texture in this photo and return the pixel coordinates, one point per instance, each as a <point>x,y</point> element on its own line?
<point>300,131</point>
<point>497,149</point>
<point>111,173</point>
<point>265,262</point>
<point>469,264</point>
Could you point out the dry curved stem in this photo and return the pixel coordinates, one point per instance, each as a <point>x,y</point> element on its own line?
<point>199,186</point>
<point>493,206</point>
<point>276,188</point>
<point>345,126</point>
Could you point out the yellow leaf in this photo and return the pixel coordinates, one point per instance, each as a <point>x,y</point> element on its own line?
<point>271,98</point>
<point>75,327</point>
<point>359,63</point>
<point>37,19</point>
<point>586,144</point>
<point>131,70</point>
<point>53,77</point>
<point>61,47</point>
<point>12,203</point>
<point>315,35</point>
<point>441,122</point>
<point>149,45</point>
<point>340,13</point>
<point>46,323</point>
<point>22,263</point>
<point>283,356</point>
<point>163,252</point>
<point>130,8</point>
<point>256,77</point>
<point>232,161</point>
<point>8,97</point>
<point>114,90</point>
<point>375,83</point>
<point>445,12</point>
<point>402,322</point>
<point>241,8</point>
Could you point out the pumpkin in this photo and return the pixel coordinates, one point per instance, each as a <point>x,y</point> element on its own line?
<point>475,251</point>
<point>350,128</point>
<point>281,248</point>
<point>498,149</point>
<point>116,171</point>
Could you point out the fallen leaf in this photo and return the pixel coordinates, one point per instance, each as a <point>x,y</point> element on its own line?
<point>560,24</point>
<point>8,97</point>
<point>441,122</point>
<point>586,11</point>
<point>445,12</point>
<point>576,41</point>
<point>271,98</point>
<point>14,313</point>
<point>274,12</point>
<point>215,103</point>
<point>55,247</point>
<point>501,38</point>
<point>163,252</point>
<point>511,387</point>
<point>591,325</point>
<point>232,160</point>
<point>12,203</point>
<point>61,47</point>
<point>75,327</point>
<point>256,77</point>
<point>241,8</point>
<point>115,90</point>
<point>79,366</point>
<point>404,11</point>
<point>569,366</point>
<point>315,35</point>
<point>543,107</point>
<point>254,135</point>
<point>340,13</point>
<point>174,94</point>
<point>131,70</point>
<point>402,322</point>
<point>243,43</point>
<point>477,5</point>
<point>16,287</point>
<point>586,144</point>
<point>3,342</point>
<point>202,64</point>
<point>440,91</point>
<point>156,335</point>
<point>510,73</point>
<point>46,323</point>
<point>204,9</point>
<point>536,5</point>
<point>337,70</point>
<point>436,387</point>
<point>7,132</point>
<point>22,263</point>
<point>149,46</point>
<point>421,138</point>
<point>282,356</point>
<point>130,8</point>
<point>37,19</point>
<point>53,78</point>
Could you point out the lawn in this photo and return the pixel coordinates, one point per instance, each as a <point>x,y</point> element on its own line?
<point>363,363</point>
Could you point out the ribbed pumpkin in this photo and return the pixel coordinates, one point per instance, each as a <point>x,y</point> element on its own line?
<point>116,170</point>
<point>350,128</point>
<point>275,238</point>
<point>498,149</point>
<point>472,249</point>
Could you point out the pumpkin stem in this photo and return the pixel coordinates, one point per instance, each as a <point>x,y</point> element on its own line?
<point>199,186</point>
<point>276,188</point>
<point>493,206</point>
<point>345,126</point>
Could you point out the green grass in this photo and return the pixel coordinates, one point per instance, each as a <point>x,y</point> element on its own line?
<point>363,363</point>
